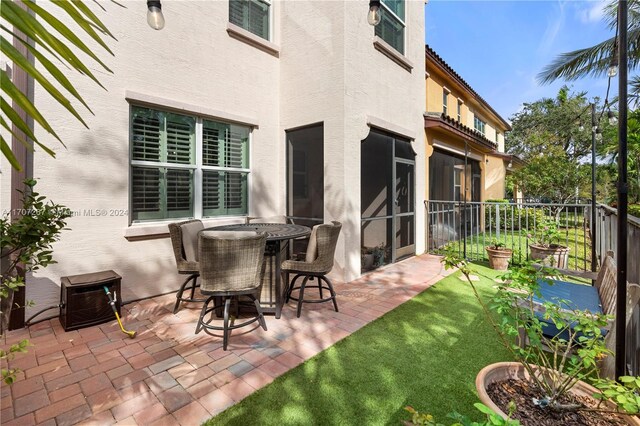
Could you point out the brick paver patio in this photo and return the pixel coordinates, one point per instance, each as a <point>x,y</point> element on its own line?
<point>167,375</point>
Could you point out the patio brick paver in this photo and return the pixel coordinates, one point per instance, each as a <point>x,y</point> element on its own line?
<point>167,375</point>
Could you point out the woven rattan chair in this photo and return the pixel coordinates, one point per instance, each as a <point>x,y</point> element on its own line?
<point>184,239</point>
<point>230,266</point>
<point>318,263</point>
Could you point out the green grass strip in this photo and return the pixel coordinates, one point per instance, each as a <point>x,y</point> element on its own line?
<point>425,353</point>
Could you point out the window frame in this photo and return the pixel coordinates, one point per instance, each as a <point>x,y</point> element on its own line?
<point>445,100</point>
<point>197,167</point>
<point>402,22</point>
<point>479,124</point>
<point>269,3</point>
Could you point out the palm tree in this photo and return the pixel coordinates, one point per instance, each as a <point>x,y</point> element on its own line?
<point>37,33</point>
<point>595,61</point>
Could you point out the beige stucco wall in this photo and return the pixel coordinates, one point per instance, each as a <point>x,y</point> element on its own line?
<point>192,61</point>
<point>328,71</point>
<point>494,174</point>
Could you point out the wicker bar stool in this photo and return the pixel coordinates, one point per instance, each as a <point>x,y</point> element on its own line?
<point>231,265</point>
<point>184,239</point>
<point>318,263</point>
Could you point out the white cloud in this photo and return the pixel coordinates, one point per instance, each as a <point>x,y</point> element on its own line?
<point>593,12</point>
<point>555,23</point>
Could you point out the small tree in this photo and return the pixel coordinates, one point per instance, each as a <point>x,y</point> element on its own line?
<point>26,242</point>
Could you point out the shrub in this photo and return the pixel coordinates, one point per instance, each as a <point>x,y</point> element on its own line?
<point>521,218</point>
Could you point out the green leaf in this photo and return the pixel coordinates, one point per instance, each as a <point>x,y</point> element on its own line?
<point>66,32</point>
<point>23,102</point>
<point>30,26</point>
<point>6,151</point>
<point>89,14</point>
<point>23,63</point>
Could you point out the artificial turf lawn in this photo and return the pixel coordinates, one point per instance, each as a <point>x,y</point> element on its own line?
<point>425,353</point>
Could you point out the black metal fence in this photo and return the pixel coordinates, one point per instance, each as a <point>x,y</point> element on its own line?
<point>469,227</point>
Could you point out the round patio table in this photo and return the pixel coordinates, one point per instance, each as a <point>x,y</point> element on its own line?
<point>278,236</point>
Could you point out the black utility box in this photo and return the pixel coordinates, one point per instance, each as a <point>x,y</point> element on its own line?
<point>84,302</point>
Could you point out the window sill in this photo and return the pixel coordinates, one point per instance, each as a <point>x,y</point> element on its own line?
<point>157,230</point>
<point>386,49</point>
<point>245,36</point>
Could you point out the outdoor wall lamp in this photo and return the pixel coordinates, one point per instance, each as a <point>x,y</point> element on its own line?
<point>374,17</point>
<point>155,19</point>
<point>613,120</point>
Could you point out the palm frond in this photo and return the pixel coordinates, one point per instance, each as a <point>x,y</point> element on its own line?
<point>58,41</point>
<point>579,63</point>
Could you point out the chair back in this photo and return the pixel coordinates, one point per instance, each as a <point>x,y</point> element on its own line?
<point>230,261</point>
<point>184,239</point>
<point>326,239</point>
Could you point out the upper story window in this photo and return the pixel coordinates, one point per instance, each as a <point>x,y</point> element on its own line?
<point>459,110</point>
<point>252,15</point>
<point>478,124</point>
<point>391,26</point>
<point>445,94</point>
<point>184,166</point>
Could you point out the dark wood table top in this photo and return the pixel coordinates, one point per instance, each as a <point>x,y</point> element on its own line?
<point>274,231</point>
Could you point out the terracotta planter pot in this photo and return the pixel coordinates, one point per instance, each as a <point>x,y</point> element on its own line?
<point>555,256</point>
<point>501,371</point>
<point>499,258</point>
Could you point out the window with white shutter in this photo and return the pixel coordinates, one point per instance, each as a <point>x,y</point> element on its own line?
<point>165,164</point>
<point>391,26</point>
<point>252,15</point>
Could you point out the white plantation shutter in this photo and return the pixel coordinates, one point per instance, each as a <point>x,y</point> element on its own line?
<point>179,192</point>
<point>180,137</point>
<point>163,165</point>
<point>252,15</point>
<point>235,192</point>
<point>145,130</point>
<point>145,193</point>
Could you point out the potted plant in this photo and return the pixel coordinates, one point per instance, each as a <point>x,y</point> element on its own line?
<point>373,257</point>
<point>25,243</point>
<point>548,379</point>
<point>544,247</point>
<point>499,255</point>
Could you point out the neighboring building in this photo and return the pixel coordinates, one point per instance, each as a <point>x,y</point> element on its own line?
<point>465,149</point>
<point>238,108</point>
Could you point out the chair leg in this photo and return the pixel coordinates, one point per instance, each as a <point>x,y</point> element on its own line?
<point>199,324</point>
<point>182,287</point>
<point>331,290</point>
<point>193,288</point>
<point>261,320</point>
<point>225,335</point>
<point>301,295</point>
<point>319,287</point>
<point>290,288</point>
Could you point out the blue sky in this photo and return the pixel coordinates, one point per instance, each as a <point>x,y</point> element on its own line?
<point>499,47</point>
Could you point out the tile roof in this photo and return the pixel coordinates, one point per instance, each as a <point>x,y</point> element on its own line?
<point>449,123</point>
<point>431,54</point>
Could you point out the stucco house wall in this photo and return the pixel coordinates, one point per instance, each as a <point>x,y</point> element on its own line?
<point>319,66</point>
